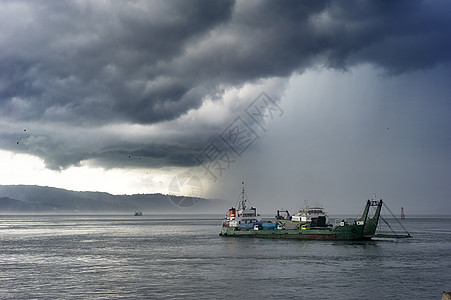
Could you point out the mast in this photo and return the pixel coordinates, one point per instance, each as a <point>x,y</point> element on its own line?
<point>243,198</point>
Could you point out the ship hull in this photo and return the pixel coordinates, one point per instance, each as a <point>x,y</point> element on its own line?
<point>339,233</point>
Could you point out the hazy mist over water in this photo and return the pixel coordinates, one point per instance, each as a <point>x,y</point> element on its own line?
<point>167,257</point>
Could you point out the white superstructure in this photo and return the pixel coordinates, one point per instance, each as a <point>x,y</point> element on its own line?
<point>240,216</point>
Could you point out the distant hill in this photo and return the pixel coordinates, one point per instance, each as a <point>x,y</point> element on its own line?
<point>39,199</point>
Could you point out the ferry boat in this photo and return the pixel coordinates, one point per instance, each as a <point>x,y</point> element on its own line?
<point>307,225</point>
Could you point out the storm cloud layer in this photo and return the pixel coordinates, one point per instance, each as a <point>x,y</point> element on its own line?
<point>108,80</point>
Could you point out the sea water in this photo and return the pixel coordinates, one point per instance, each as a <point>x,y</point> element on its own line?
<point>182,257</point>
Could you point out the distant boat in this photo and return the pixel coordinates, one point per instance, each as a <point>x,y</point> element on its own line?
<point>138,213</point>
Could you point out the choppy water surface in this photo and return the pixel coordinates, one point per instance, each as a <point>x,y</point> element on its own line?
<point>165,257</point>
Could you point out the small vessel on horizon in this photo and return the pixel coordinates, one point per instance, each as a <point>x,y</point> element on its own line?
<point>306,224</point>
<point>138,213</point>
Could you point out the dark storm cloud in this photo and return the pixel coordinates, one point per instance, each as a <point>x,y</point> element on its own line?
<point>71,61</point>
<point>155,156</point>
<point>91,63</point>
<point>399,36</point>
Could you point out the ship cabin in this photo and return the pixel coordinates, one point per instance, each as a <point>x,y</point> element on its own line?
<point>235,218</point>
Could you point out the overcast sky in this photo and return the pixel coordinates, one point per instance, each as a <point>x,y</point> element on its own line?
<point>325,101</point>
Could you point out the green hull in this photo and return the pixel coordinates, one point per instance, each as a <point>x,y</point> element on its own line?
<point>339,233</point>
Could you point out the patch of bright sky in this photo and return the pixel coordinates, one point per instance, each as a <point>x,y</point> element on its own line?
<point>29,170</point>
